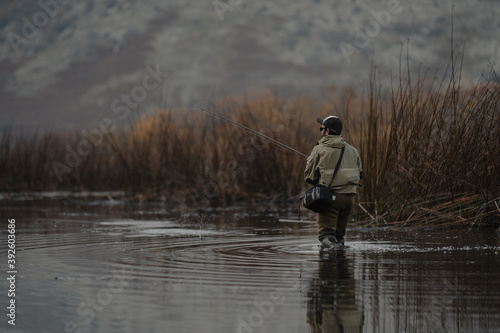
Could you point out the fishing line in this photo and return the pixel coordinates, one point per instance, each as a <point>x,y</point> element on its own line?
<point>290,149</point>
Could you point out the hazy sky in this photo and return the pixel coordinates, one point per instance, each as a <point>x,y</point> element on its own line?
<point>71,63</point>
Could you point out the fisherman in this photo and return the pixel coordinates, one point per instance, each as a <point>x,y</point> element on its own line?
<point>332,222</point>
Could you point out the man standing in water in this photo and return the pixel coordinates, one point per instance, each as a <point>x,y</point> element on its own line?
<point>332,222</point>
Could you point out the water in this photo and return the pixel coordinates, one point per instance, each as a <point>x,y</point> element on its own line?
<point>94,265</point>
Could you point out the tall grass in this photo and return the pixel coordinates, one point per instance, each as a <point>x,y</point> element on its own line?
<point>429,151</point>
<point>436,152</point>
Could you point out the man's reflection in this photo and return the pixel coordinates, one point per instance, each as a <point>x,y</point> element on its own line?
<point>331,297</point>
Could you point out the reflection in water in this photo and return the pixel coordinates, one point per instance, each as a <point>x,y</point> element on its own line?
<point>98,268</point>
<point>331,297</point>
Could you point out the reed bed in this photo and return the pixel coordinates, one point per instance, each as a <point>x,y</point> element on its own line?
<point>435,152</point>
<point>429,152</point>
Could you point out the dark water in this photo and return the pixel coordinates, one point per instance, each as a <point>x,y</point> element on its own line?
<point>92,265</point>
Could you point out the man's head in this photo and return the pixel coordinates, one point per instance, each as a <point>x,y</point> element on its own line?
<point>332,125</point>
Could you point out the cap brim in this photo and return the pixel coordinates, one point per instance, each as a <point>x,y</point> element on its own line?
<point>320,120</point>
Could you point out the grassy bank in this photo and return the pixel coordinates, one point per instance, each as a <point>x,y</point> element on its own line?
<point>429,150</point>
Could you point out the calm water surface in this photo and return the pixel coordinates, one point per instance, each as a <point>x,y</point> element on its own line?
<point>92,265</point>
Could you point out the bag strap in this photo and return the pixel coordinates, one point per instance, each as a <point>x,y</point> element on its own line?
<point>337,166</point>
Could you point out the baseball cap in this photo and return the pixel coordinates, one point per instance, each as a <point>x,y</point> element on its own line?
<point>333,123</point>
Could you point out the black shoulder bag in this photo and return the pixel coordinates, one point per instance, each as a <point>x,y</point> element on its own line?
<point>320,197</point>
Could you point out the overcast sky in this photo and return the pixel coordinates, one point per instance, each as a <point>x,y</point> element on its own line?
<point>70,63</point>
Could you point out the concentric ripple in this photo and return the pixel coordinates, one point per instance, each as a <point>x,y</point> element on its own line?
<point>156,275</point>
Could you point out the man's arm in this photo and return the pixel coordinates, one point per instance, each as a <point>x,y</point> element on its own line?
<point>311,173</point>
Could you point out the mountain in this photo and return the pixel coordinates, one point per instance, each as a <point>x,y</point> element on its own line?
<point>68,63</point>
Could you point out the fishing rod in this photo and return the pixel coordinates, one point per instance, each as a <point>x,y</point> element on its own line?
<point>253,131</point>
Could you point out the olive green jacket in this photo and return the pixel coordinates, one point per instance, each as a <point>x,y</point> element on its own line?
<point>323,159</point>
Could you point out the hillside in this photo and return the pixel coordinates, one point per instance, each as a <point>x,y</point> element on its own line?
<point>72,63</point>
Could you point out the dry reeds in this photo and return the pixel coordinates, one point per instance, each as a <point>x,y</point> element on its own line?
<point>436,153</point>
<point>429,151</point>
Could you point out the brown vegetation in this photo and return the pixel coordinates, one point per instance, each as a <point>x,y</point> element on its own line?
<point>429,151</point>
